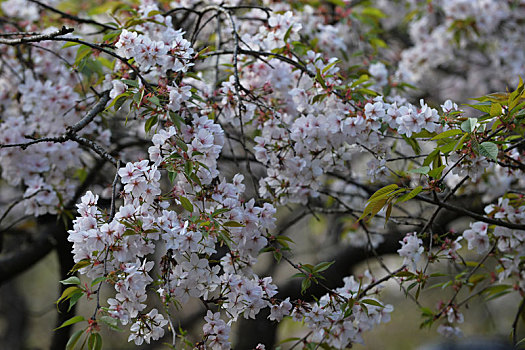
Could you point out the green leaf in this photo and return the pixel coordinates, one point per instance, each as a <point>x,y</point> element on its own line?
<point>325,69</point>
<point>489,150</point>
<point>460,143</point>
<point>426,311</point>
<point>80,264</point>
<point>112,34</point>
<point>320,80</point>
<point>387,195</point>
<point>69,44</point>
<point>448,147</point>
<point>423,134</point>
<point>339,3</point>
<point>361,80</point>
<point>67,293</point>
<point>82,52</point>
<point>188,167</point>
<point>305,284</point>
<point>72,342</point>
<point>71,280</point>
<point>284,238</point>
<point>232,224</point>
<point>219,212</point>
<point>405,274</point>
<point>469,125</point>
<point>365,91</point>
<point>373,12</point>
<point>154,13</point>
<point>428,160</point>
<point>447,133</point>
<point>483,106</point>
<point>412,143</point>
<point>71,321</point>
<point>383,190</point>
<point>110,322</point>
<point>436,173</point>
<point>186,204</point>
<point>95,341</point>
<point>277,256</point>
<point>491,290</point>
<point>299,274</point>
<point>371,302</point>
<point>119,101</point>
<point>373,208</point>
<point>98,280</point>
<point>150,123</point>
<point>323,266</point>
<point>376,42</point>
<point>138,96</point>
<point>182,145</point>
<point>73,298</point>
<point>155,100</point>
<point>495,110</point>
<point>287,34</point>
<point>388,212</point>
<point>107,6</point>
<point>410,195</point>
<point>423,170</point>
<point>132,83</point>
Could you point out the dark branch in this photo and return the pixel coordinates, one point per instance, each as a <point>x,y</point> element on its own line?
<point>72,17</point>
<point>37,38</point>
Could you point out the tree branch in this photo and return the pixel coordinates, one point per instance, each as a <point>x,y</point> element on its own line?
<point>36,38</point>
<point>72,17</point>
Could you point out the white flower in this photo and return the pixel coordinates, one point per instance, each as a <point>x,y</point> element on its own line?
<point>411,249</point>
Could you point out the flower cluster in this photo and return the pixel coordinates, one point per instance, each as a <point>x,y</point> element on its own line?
<point>411,249</point>
<point>161,48</point>
<point>339,323</point>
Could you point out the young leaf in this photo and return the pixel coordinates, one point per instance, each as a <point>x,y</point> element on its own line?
<point>423,170</point>
<point>323,266</point>
<point>384,190</point>
<point>150,123</point>
<point>73,298</point>
<point>469,125</point>
<point>71,280</point>
<point>305,284</point>
<point>428,160</point>
<point>489,150</point>
<point>110,322</point>
<point>80,264</point>
<point>495,110</point>
<point>232,224</point>
<point>72,342</point>
<point>410,195</point>
<point>447,133</point>
<point>186,204</point>
<point>436,173</point>
<point>95,341</point>
<point>372,302</point>
<point>388,212</point>
<point>66,294</point>
<point>98,280</point>
<point>71,321</point>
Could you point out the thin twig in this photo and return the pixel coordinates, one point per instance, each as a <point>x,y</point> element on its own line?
<point>72,17</point>
<point>471,214</point>
<point>36,38</point>
<point>515,323</point>
<point>97,108</point>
